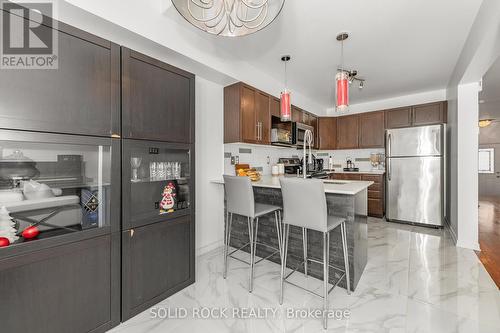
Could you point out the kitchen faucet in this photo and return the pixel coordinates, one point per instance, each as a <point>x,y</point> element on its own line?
<point>307,141</point>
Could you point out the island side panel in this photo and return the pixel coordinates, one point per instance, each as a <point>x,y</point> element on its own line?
<point>338,204</point>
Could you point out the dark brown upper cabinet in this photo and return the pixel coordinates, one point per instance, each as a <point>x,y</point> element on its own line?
<point>327,133</point>
<point>158,100</point>
<point>81,96</point>
<point>247,115</point>
<point>275,107</point>
<point>371,129</point>
<point>429,114</point>
<point>423,114</point>
<point>400,117</point>
<point>347,132</point>
<point>297,114</point>
<point>263,117</point>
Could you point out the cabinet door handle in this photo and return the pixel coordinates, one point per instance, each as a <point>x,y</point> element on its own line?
<point>260,126</point>
<point>257,133</point>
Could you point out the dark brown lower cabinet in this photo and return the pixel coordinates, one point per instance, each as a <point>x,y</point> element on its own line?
<point>376,201</point>
<point>157,261</point>
<point>66,288</point>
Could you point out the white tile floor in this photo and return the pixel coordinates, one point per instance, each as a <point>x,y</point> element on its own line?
<point>416,280</point>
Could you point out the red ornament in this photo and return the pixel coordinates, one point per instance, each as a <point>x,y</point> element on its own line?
<point>30,232</point>
<point>4,242</point>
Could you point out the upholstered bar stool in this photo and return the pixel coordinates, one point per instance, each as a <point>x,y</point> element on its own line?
<point>304,206</point>
<point>240,201</point>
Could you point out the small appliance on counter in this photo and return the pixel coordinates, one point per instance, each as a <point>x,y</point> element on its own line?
<point>293,166</point>
<point>351,167</point>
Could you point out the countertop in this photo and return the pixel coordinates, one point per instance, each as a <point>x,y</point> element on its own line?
<point>369,172</point>
<point>349,187</point>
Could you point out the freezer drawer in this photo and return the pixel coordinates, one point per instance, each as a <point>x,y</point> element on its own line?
<point>414,141</point>
<point>415,190</point>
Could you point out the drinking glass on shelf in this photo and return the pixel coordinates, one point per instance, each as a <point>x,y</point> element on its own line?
<point>152,171</point>
<point>168,166</point>
<point>177,169</point>
<point>162,175</point>
<point>135,163</point>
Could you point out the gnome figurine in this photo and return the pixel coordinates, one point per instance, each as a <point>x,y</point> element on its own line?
<point>7,229</point>
<point>168,201</point>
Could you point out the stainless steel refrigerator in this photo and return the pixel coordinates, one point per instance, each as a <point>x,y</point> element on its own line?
<point>415,180</point>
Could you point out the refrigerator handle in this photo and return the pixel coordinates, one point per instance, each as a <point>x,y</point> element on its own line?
<point>388,169</point>
<point>389,143</point>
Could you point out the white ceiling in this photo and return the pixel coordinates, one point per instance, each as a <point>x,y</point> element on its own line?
<point>400,46</point>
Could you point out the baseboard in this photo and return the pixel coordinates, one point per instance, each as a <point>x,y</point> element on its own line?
<point>452,232</point>
<point>468,245</point>
<point>209,248</point>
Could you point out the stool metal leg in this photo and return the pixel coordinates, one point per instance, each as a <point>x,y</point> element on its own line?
<point>226,245</point>
<point>250,236</point>
<point>304,245</point>
<point>254,239</point>
<point>278,232</point>
<point>326,259</point>
<point>286,228</point>
<point>346,256</point>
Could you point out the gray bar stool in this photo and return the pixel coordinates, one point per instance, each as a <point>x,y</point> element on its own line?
<point>240,201</point>
<point>304,205</point>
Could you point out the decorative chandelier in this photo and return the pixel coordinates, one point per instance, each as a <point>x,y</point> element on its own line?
<point>229,17</point>
<point>285,102</point>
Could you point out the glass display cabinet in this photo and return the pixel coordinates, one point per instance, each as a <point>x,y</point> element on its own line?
<point>156,181</point>
<point>53,185</point>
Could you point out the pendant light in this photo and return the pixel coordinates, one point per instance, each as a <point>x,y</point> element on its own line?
<point>285,102</point>
<point>342,79</point>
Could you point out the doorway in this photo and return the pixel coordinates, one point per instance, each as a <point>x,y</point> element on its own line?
<point>489,172</point>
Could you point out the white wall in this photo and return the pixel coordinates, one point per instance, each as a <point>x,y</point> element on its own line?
<point>481,49</point>
<point>209,165</point>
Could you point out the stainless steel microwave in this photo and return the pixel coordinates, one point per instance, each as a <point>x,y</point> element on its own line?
<point>299,131</point>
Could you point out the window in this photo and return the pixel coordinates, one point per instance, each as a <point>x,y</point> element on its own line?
<point>486,160</point>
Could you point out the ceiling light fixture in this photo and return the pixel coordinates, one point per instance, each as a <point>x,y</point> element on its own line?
<point>485,122</point>
<point>342,78</point>
<point>229,17</point>
<point>285,101</point>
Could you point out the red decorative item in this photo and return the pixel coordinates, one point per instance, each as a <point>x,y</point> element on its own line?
<point>342,79</point>
<point>285,102</point>
<point>4,242</point>
<point>30,232</point>
<point>286,109</point>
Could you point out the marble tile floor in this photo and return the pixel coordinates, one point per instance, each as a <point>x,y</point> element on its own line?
<point>416,280</point>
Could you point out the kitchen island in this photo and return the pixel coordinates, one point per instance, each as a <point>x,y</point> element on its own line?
<point>344,198</point>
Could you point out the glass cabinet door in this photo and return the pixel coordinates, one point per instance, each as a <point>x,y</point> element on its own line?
<point>51,185</point>
<point>156,180</point>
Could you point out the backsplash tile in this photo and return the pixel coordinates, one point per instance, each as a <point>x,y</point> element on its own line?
<point>263,157</point>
